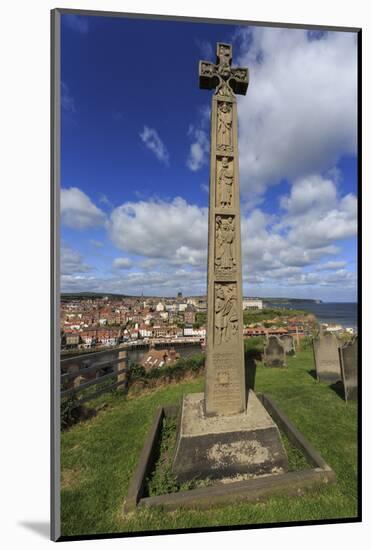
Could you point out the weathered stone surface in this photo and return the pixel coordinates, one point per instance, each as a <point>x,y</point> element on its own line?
<point>219,434</point>
<point>326,357</point>
<point>218,446</point>
<point>288,344</point>
<point>348,355</point>
<point>274,352</point>
<point>225,384</point>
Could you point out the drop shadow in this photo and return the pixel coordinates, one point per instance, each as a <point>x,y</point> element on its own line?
<point>312,373</point>
<point>250,370</point>
<point>338,388</point>
<point>42,528</point>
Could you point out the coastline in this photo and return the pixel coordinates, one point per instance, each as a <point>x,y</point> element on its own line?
<point>341,313</point>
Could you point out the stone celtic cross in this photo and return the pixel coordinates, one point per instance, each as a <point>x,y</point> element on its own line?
<point>225,391</point>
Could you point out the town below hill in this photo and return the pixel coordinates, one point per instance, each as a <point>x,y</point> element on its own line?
<point>94,321</point>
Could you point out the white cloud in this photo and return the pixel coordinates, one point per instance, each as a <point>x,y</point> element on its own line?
<point>266,250</point>
<point>340,276</point>
<point>313,194</point>
<point>299,114</point>
<point>276,250</point>
<point>175,231</point>
<point>72,261</point>
<point>78,211</point>
<point>199,149</point>
<point>122,263</point>
<point>335,264</point>
<point>284,252</point>
<point>316,215</point>
<point>160,283</point>
<point>152,140</point>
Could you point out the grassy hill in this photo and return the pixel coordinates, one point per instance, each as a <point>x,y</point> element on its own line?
<point>99,456</point>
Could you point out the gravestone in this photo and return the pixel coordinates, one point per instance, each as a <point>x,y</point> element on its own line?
<point>326,357</point>
<point>288,344</point>
<point>274,352</point>
<point>348,355</point>
<point>222,432</point>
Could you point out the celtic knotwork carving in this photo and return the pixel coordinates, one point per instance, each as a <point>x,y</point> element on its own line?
<point>226,80</point>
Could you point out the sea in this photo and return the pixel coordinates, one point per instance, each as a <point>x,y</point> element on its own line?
<point>342,313</point>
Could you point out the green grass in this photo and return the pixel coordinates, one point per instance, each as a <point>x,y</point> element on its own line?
<point>295,457</point>
<point>266,314</point>
<point>99,456</point>
<point>161,480</point>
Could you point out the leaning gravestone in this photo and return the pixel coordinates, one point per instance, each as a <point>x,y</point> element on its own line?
<point>223,431</point>
<point>288,344</point>
<point>326,357</point>
<point>348,355</point>
<point>274,352</point>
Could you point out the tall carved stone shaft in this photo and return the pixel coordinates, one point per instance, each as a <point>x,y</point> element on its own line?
<point>225,391</point>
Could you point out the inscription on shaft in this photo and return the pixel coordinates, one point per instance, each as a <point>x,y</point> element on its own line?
<point>225,389</point>
<point>225,370</point>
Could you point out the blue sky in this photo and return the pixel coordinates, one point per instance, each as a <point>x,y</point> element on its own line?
<point>135,158</point>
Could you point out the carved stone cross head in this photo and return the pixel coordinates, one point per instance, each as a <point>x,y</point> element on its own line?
<point>220,75</point>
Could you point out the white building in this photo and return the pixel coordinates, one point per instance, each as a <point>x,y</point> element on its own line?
<point>332,327</point>
<point>190,331</point>
<point>160,307</point>
<point>252,303</point>
<point>145,332</point>
<point>109,341</point>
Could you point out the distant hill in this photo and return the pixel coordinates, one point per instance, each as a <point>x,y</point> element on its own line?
<point>87,295</point>
<point>82,295</point>
<point>292,300</point>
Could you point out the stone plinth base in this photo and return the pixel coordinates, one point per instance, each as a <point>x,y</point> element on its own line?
<point>220,446</point>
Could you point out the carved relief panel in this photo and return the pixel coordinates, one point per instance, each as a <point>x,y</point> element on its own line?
<point>224,141</point>
<point>225,183</point>
<point>225,246</point>
<point>226,316</point>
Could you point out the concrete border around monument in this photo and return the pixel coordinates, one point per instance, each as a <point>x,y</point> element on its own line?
<point>252,490</point>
